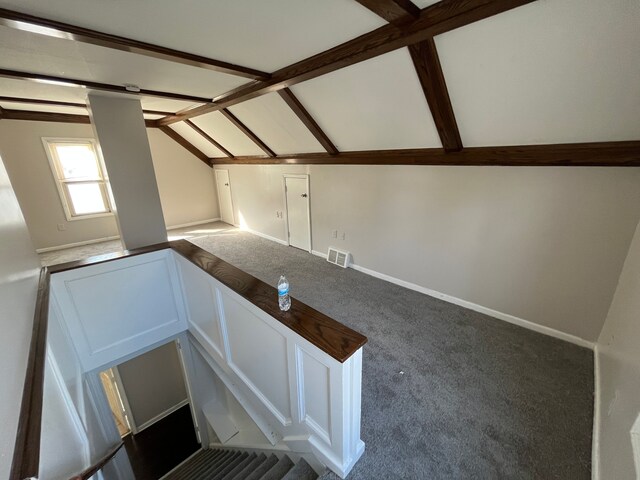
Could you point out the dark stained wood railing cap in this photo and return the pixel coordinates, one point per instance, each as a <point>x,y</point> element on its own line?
<point>329,335</point>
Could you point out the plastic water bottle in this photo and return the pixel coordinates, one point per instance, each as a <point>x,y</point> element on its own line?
<point>284,301</point>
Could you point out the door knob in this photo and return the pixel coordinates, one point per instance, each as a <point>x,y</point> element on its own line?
<point>226,184</point>
<point>304,195</point>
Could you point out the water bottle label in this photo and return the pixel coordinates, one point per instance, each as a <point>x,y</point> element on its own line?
<point>283,292</point>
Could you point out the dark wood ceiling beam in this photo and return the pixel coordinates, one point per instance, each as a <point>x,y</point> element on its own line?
<point>439,18</point>
<point>604,154</point>
<point>397,12</point>
<point>306,118</point>
<point>427,64</point>
<point>32,116</point>
<point>51,28</point>
<point>209,138</point>
<point>175,136</point>
<point>244,129</point>
<point>55,103</point>
<point>71,82</point>
<point>44,116</point>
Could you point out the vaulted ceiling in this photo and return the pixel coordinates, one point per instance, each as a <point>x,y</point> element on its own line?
<point>515,82</point>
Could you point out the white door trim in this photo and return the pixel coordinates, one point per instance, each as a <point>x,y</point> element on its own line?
<point>233,215</point>
<point>187,385</point>
<point>125,401</point>
<point>286,206</point>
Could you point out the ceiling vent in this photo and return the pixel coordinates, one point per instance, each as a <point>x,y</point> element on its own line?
<point>338,257</point>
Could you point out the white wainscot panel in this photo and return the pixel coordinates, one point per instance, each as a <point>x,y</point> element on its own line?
<point>116,308</point>
<point>202,306</point>
<point>258,355</point>
<point>315,394</point>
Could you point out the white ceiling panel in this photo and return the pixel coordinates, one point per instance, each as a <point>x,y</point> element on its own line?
<point>549,72</point>
<point>271,119</point>
<point>425,3</point>
<point>43,108</point>
<point>41,91</point>
<point>44,91</point>
<point>197,140</point>
<point>35,53</point>
<point>227,134</point>
<point>377,104</point>
<point>265,35</point>
<point>163,104</point>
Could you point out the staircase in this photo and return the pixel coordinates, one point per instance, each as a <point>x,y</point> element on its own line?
<point>215,464</point>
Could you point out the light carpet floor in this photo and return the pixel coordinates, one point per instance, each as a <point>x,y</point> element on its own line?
<point>448,393</point>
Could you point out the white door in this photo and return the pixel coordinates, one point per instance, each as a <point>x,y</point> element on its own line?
<point>224,196</point>
<point>298,220</point>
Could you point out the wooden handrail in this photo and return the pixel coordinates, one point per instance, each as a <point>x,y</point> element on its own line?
<point>96,467</point>
<point>26,454</point>
<point>329,335</point>
<point>334,338</point>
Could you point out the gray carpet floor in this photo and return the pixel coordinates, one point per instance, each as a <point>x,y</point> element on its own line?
<point>447,393</point>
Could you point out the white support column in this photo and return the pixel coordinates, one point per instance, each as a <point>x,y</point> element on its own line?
<point>119,127</point>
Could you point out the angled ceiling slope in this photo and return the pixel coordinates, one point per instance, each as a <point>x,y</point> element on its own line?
<point>348,90</point>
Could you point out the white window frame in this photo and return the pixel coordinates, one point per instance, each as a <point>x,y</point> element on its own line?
<point>61,182</point>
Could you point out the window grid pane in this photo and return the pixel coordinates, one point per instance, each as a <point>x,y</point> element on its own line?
<point>87,198</point>
<point>77,162</point>
<point>78,173</point>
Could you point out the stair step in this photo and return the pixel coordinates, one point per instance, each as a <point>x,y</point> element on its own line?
<point>302,471</point>
<point>213,470</point>
<point>239,467</point>
<point>203,467</point>
<point>263,468</point>
<point>220,464</point>
<point>219,474</point>
<point>199,459</point>
<point>279,470</point>
<point>250,468</point>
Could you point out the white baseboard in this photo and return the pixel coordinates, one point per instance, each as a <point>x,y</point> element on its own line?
<point>595,439</point>
<point>77,244</point>
<point>117,237</point>
<point>160,416</point>
<point>263,235</point>
<point>193,224</point>
<point>479,308</point>
<point>473,306</point>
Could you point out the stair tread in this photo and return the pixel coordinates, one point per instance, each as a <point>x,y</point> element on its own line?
<point>279,470</point>
<point>263,468</point>
<point>218,474</point>
<point>250,467</point>
<point>213,470</point>
<point>302,471</point>
<point>195,461</point>
<point>221,464</point>
<point>240,466</point>
<point>217,462</point>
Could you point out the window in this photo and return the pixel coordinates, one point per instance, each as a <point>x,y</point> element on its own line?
<point>80,177</point>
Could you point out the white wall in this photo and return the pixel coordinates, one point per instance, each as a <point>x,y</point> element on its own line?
<point>618,360</point>
<point>19,268</point>
<point>118,124</point>
<point>543,244</point>
<point>153,383</point>
<point>186,185</point>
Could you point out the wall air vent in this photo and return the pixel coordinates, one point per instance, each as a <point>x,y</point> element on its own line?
<point>338,257</point>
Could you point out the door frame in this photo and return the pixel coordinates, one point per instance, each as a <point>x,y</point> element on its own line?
<point>304,176</point>
<point>125,402</point>
<point>233,214</point>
